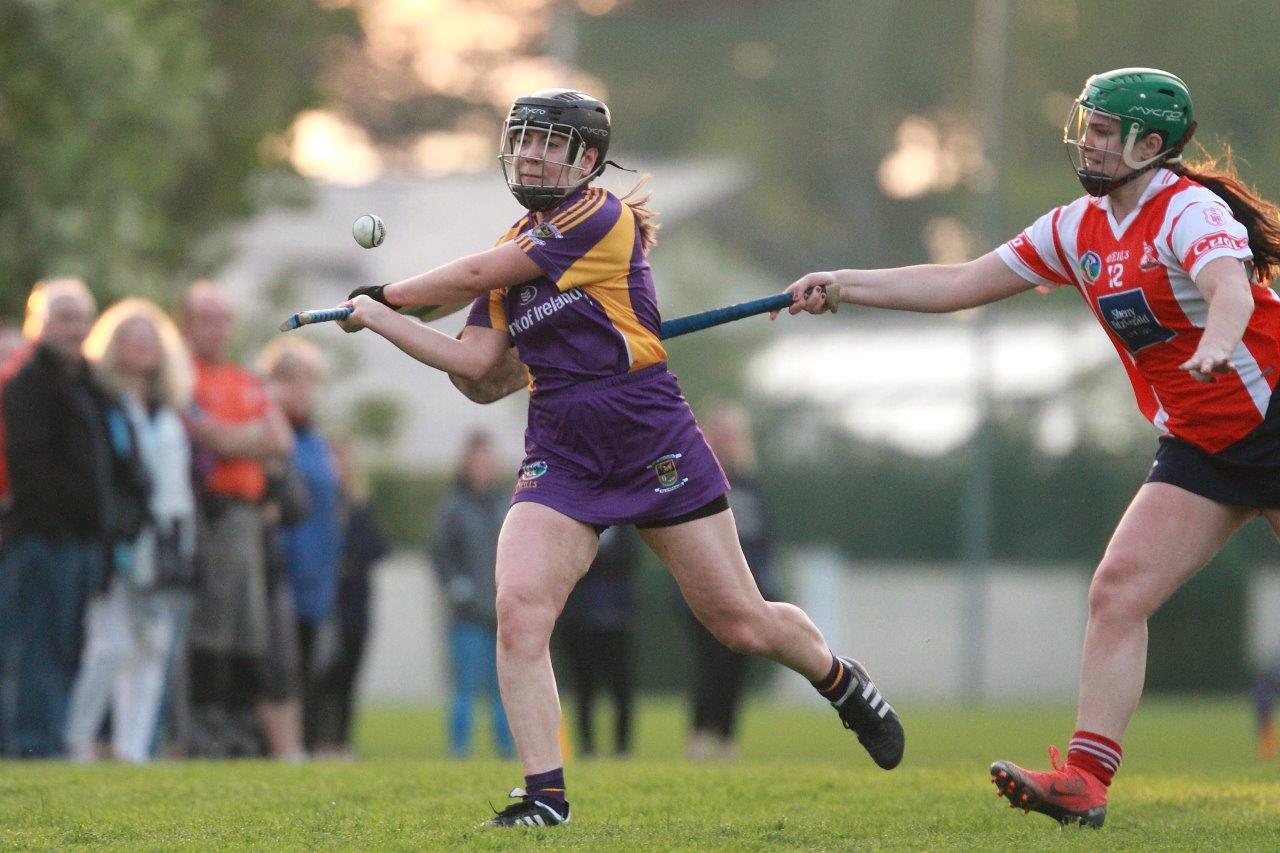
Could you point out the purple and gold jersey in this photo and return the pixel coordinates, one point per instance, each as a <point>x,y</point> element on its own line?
<point>593,313</point>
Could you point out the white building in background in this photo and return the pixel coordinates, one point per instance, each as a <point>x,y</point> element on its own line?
<point>430,221</point>
<point>916,382</point>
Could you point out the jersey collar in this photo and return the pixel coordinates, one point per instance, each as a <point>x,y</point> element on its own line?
<point>1162,179</point>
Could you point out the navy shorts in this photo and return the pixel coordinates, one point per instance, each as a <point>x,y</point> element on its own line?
<point>1245,474</point>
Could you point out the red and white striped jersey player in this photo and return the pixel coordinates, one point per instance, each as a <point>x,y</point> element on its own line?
<point>1174,260</point>
<point>1138,276</point>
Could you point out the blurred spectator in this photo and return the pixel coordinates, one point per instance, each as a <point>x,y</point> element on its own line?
<point>11,340</point>
<point>294,368</point>
<point>595,633</point>
<point>466,540</point>
<point>75,496</point>
<point>1265,690</point>
<point>235,430</point>
<point>719,674</point>
<point>133,628</point>
<point>15,349</point>
<point>280,709</point>
<point>363,545</point>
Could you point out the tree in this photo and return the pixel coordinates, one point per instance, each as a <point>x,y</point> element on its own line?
<point>131,130</point>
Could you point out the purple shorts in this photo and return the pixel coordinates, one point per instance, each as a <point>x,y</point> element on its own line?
<point>622,450</point>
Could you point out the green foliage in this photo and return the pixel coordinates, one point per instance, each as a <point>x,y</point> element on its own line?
<point>812,132</point>
<point>377,418</point>
<point>892,505</point>
<point>404,503</point>
<point>1189,779</point>
<point>132,130</point>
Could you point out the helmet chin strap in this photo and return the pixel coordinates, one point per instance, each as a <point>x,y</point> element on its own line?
<point>1098,185</point>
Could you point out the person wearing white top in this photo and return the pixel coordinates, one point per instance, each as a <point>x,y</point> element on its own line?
<point>133,628</point>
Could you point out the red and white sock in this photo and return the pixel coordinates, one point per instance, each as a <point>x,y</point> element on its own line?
<point>1095,754</point>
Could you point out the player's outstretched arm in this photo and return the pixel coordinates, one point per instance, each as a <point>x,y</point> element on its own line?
<point>470,357</point>
<point>930,288</point>
<point>464,279</point>
<point>1225,286</point>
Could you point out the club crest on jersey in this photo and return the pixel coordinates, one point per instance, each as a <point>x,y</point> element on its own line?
<point>668,473</point>
<point>1090,266</point>
<point>1213,215</point>
<point>528,293</point>
<point>545,231</point>
<point>533,470</point>
<point>1150,260</point>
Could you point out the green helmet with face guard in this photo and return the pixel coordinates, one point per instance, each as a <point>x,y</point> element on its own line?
<point>577,120</point>
<point>1143,101</point>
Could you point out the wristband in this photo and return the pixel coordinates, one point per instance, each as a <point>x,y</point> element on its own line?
<point>374,292</point>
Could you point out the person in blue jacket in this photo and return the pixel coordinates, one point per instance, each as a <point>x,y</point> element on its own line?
<point>294,369</point>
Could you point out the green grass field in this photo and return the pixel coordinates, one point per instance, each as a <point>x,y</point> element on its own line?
<point>1190,781</point>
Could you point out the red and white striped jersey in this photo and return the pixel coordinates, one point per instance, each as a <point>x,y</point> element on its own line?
<point>1138,278</point>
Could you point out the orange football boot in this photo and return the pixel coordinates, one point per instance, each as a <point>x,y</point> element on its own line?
<point>1067,794</point>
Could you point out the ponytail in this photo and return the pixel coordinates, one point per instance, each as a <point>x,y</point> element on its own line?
<point>1260,218</point>
<point>645,218</point>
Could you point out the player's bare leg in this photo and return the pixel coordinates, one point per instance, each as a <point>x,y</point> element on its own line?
<point>1164,538</point>
<point>705,558</point>
<point>541,555</point>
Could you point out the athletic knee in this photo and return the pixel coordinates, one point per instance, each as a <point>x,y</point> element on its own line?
<point>741,633</point>
<point>1115,593</point>
<point>525,621</point>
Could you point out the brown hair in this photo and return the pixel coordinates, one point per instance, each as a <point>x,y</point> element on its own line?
<point>1260,218</point>
<point>645,218</point>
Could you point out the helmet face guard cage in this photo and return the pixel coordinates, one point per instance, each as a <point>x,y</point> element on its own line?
<point>554,175</point>
<point>1096,166</point>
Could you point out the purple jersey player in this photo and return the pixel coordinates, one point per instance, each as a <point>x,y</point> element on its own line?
<point>610,438</point>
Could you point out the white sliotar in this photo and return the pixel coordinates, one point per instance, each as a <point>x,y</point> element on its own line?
<point>369,230</point>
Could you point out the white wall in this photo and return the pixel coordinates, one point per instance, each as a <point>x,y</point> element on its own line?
<point>406,659</point>
<point>904,622</point>
<point>1262,628</point>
